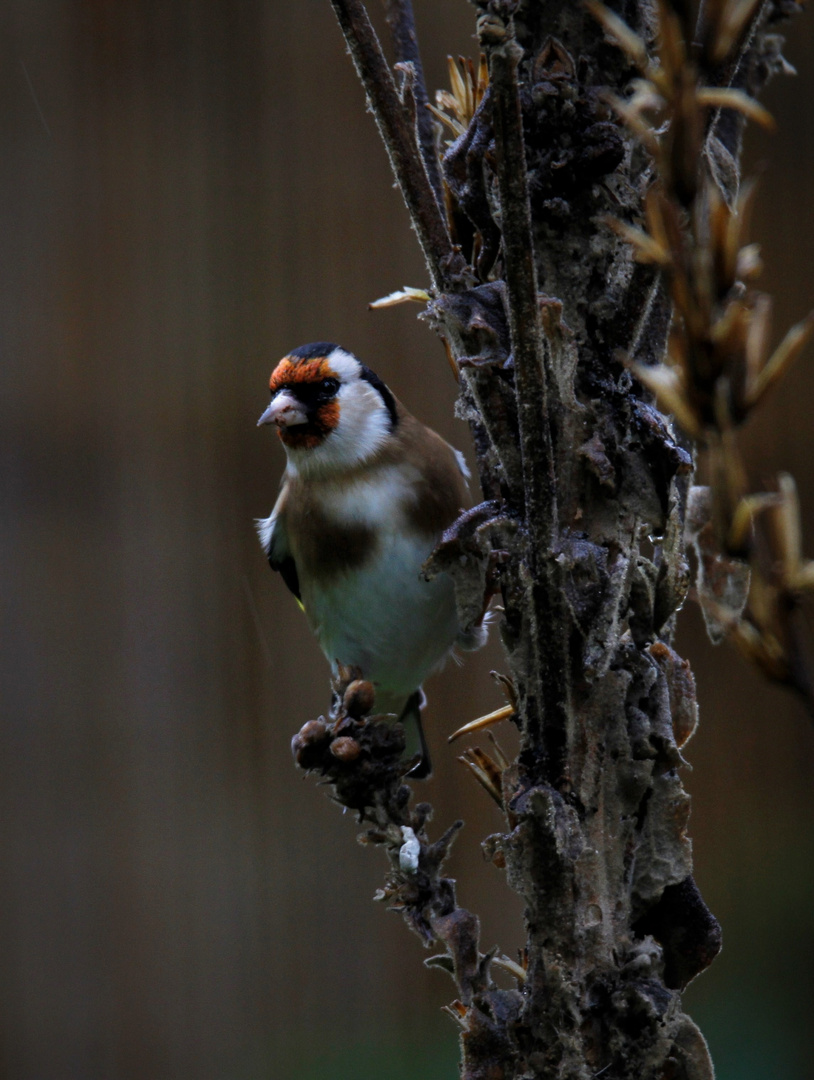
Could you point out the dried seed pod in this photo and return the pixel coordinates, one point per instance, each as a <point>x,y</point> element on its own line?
<point>345,749</point>
<point>307,743</point>
<point>358,699</point>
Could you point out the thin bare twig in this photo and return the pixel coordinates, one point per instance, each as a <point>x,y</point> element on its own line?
<point>401,20</point>
<point>445,264</point>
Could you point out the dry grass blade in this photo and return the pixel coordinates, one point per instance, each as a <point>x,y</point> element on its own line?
<point>483,78</point>
<point>757,341</point>
<point>486,772</point>
<point>469,85</point>
<point>454,126</point>
<point>655,208</point>
<point>723,239</point>
<point>456,81</point>
<point>742,218</point>
<point>497,750</point>
<point>666,383</point>
<point>453,363</point>
<point>732,22</point>
<point>645,97</point>
<point>672,49</point>
<point>781,359</point>
<point>636,124</point>
<point>483,721</point>
<point>647,249</point>
<point>507,687</point>
<point>456,107</point>
<point>789,530</point>
<point>617,28</point>
<point>511,966</point>
<point>726,98</point>
<point>743,517</point>
<point>804,579</point>
<point>760,648</point>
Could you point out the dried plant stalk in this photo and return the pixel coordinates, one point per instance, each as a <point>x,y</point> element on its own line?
<point>546,315</point>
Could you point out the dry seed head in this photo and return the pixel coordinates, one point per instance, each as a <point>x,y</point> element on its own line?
<point>456,107</point>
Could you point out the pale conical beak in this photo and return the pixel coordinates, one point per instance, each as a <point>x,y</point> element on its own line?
<point>284,411</point>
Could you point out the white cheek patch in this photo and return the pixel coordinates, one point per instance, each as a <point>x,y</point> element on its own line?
<point>363,428</point>
<point>364,422</point>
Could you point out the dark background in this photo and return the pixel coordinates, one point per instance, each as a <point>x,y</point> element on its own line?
<point>187,191</point>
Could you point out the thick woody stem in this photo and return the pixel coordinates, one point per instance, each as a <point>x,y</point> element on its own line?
<point>445,264</point>
<point>536,446</point>
<point>533,391</point>
<point>401,21</point>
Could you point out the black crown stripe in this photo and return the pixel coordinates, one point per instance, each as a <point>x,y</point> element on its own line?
<point>314,351</point>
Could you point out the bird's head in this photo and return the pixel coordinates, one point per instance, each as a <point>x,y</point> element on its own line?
<point>331,411</point>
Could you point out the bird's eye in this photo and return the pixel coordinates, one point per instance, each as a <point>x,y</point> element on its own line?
<point>329,386</point>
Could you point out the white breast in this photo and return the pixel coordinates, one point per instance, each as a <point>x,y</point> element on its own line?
<point>383,617</point>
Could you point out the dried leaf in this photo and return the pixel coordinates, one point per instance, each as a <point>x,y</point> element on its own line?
<point>401,296</point>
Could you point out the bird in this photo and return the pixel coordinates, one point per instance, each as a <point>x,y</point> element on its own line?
<point>366,495</point>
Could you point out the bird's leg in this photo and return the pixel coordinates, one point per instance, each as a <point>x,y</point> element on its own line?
<point>497,557</point>
<point>422,769</point>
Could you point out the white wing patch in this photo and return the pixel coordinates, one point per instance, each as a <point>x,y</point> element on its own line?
<point>272,531</point>
<point>462,465</point>
<point>265,530</point>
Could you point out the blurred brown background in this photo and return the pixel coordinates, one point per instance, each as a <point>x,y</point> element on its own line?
<point>188,190</point>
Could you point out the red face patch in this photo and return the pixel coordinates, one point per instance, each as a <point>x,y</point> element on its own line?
<point>288,372</point>
<point>294,373</point>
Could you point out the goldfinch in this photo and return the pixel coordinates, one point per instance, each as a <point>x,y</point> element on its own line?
<point>366,495</point>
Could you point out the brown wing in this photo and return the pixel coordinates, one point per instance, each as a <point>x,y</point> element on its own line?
<point>442,494</point>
